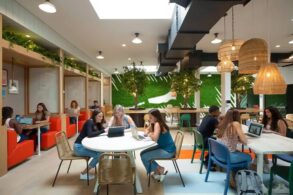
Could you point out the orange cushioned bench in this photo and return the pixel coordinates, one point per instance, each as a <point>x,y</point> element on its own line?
<point>48,138</point>
<point>17,152</point>
<point>70,128</point>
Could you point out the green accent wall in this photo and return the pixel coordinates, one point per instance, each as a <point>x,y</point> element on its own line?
<point>208,92</point>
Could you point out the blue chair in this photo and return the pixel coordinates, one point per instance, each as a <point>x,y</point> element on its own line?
<point>220,155</point>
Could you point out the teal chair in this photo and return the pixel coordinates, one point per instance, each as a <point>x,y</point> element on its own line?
<point>198,144</point>
<point>185,118</point>
<point>285,172</point>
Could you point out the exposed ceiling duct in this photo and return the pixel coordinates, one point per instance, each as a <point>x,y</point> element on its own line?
<point>190,24</point>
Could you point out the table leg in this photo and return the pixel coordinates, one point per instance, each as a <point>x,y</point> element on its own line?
<point>137,178</point>
<point>77,125</point>
<point>39,140</point>
<point>260,162</point>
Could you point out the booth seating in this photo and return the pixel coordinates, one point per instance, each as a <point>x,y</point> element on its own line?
<point>83,117</point>
<point>17,152</point>
<point>48,138</point>
<point>70,128</point>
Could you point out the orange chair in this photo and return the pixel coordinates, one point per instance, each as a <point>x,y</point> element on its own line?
<point>17,152</point>
<point>48,138</point>
<point>70,128</point>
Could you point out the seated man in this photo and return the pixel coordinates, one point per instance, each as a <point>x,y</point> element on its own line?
<point>208,125</point>
<point>95,105</point>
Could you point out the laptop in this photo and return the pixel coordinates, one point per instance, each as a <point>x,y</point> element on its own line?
<point>116,131</point>
<point>26,120</point>
<point>135,134</point>
<point>255,130</point>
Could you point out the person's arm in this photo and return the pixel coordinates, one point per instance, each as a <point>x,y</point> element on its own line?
<point>130,121</point>
<point>16,126</point>
<point>282,127</point>
<point>147,130</point>
<point>110,124</point>
<point>241,135</point>
<point>90,131</point>
<point>156,133</point>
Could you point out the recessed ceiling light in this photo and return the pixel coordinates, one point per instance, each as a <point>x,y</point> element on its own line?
<point>291,42</point>
<point>123,45</point>
<point>291,19</point>
<point>277,46</point>
<point>129,59</point>
<point>72,58</point>
<point>28,36</point>
<point>48,7</point>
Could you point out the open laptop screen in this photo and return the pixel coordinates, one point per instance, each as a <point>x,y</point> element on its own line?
<point>255,128</point>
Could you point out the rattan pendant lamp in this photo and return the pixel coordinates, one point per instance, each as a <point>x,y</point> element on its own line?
<point>269,80</point>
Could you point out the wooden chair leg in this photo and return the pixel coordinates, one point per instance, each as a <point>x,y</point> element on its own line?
<point>98,189</point>
<point>57,173</point>
<point>69,166</point>
<point>87,171</point>
<point>107,189</point>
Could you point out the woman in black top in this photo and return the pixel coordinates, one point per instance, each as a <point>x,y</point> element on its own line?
<point>92,128</point>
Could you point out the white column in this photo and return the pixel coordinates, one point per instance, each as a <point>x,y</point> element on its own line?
<point>197,99</point>
<point>102,90</point>
<point>261,103</point>
<point>225,91</point>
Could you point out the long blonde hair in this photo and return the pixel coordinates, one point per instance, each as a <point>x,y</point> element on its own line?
<point>118,121</point>
<point>225,125</point>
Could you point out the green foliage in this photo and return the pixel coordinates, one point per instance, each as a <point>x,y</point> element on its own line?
<point>27,43</point>
<point>95,74</point>
<point>134,81</point>
<point>208,92</point>
<point>185,83</point>
<point>74,64</point>
<point>240,84</point>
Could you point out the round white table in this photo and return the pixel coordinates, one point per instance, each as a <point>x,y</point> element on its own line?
<point>125,143</point>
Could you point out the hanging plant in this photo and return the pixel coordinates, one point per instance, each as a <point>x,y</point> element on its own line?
<point>185,83</point>
<point>73,64</point>
<point>134,81</point>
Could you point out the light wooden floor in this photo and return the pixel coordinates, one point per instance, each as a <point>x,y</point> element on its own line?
<point>35,176</point>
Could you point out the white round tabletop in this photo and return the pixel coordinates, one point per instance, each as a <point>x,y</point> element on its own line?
<point>124,143</point>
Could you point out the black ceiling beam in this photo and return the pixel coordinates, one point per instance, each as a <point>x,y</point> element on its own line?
<point>193,32</point>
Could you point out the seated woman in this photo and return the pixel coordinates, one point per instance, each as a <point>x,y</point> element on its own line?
<point>73,110</point>
<point>230,133</point>
<point>273,120</point>
<point>93,127</point>
<point>119,118</point>
<point>10,123</point>
<point>159,132</point>
<point>42,115</point>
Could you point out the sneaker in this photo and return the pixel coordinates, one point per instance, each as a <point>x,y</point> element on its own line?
<point>156,177</point>
<point>162,176</point>
<point>84,176</point>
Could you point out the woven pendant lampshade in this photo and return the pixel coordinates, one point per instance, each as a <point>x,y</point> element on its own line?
<point>269,80</point>
<point>225,66</point>
<point>229,50</point>
<point>252,55</point>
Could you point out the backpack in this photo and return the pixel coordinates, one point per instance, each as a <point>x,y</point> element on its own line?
<point>248,182</point>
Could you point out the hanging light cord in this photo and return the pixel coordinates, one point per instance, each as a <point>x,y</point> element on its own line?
<point>233,26</point>
<point>268,33</point>
<point>225,27</point>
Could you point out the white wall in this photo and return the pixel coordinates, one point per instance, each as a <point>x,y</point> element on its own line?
<point>107,90</point>
<point>16,101</point>
<point>287,72</point>
<point>94,92</point>
<point>43,87</point>
<point>74,90</point>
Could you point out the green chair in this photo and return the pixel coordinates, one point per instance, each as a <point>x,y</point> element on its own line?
<point>198,144</point>
<point>285,172</point>
<point>185,118</point>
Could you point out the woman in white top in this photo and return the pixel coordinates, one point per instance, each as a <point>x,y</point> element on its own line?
<point>73,110</point>
<point>12,124</point>
<point>119,118</point>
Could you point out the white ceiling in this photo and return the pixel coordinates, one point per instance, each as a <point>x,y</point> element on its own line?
<point>77,22</point>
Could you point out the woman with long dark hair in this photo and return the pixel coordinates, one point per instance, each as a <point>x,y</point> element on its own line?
<point>273,120</point>
<point>92,128</point>
<point>42,115</point>
<point>159,132</point>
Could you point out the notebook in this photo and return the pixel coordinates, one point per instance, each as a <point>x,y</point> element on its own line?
<point>26,120</point>
<point>116,131</point>
<point>255,130</point>
<point>135,134</point>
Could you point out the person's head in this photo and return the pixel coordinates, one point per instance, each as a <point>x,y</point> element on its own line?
<point>273,114</point>
<point>98,116</point>
<point>214,111</point>
<point>73,104</point>
<point>155,116</point>
<point>41,107</point>
<point>118,111</point>
<point>96,103</point>
<point>7,112</point>
<point>231,116</point>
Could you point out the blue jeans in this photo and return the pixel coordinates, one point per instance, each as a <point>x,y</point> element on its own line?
<point>79,150</point>
<point>151,153</point>
<point>23,137</point>
<point>72,120</point>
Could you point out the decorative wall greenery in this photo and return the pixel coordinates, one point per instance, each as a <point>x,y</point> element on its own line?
<point>25,42</point>
<point>208,90</point>
<point>185,83</point>
<point>134,81</point>
<point>74,64</point>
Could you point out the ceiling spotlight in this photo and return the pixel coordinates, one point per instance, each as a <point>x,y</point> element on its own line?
<point>100,57</point>
<point>123,45</point>
<point>291,42</point>
<point>136,40</point>
<point>209,75</point>
<point>277,46</point>
<point>48,7</point>
<point>116,71</point>
<point>216,40</point>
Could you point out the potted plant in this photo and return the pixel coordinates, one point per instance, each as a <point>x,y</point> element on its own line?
<point>185,83</point>
<point>134,81</point>
<point>240,84</point>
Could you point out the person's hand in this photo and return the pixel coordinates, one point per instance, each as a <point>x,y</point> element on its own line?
<point>106,129</point>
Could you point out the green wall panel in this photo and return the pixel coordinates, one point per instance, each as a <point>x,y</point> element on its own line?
<point>208,92</point>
